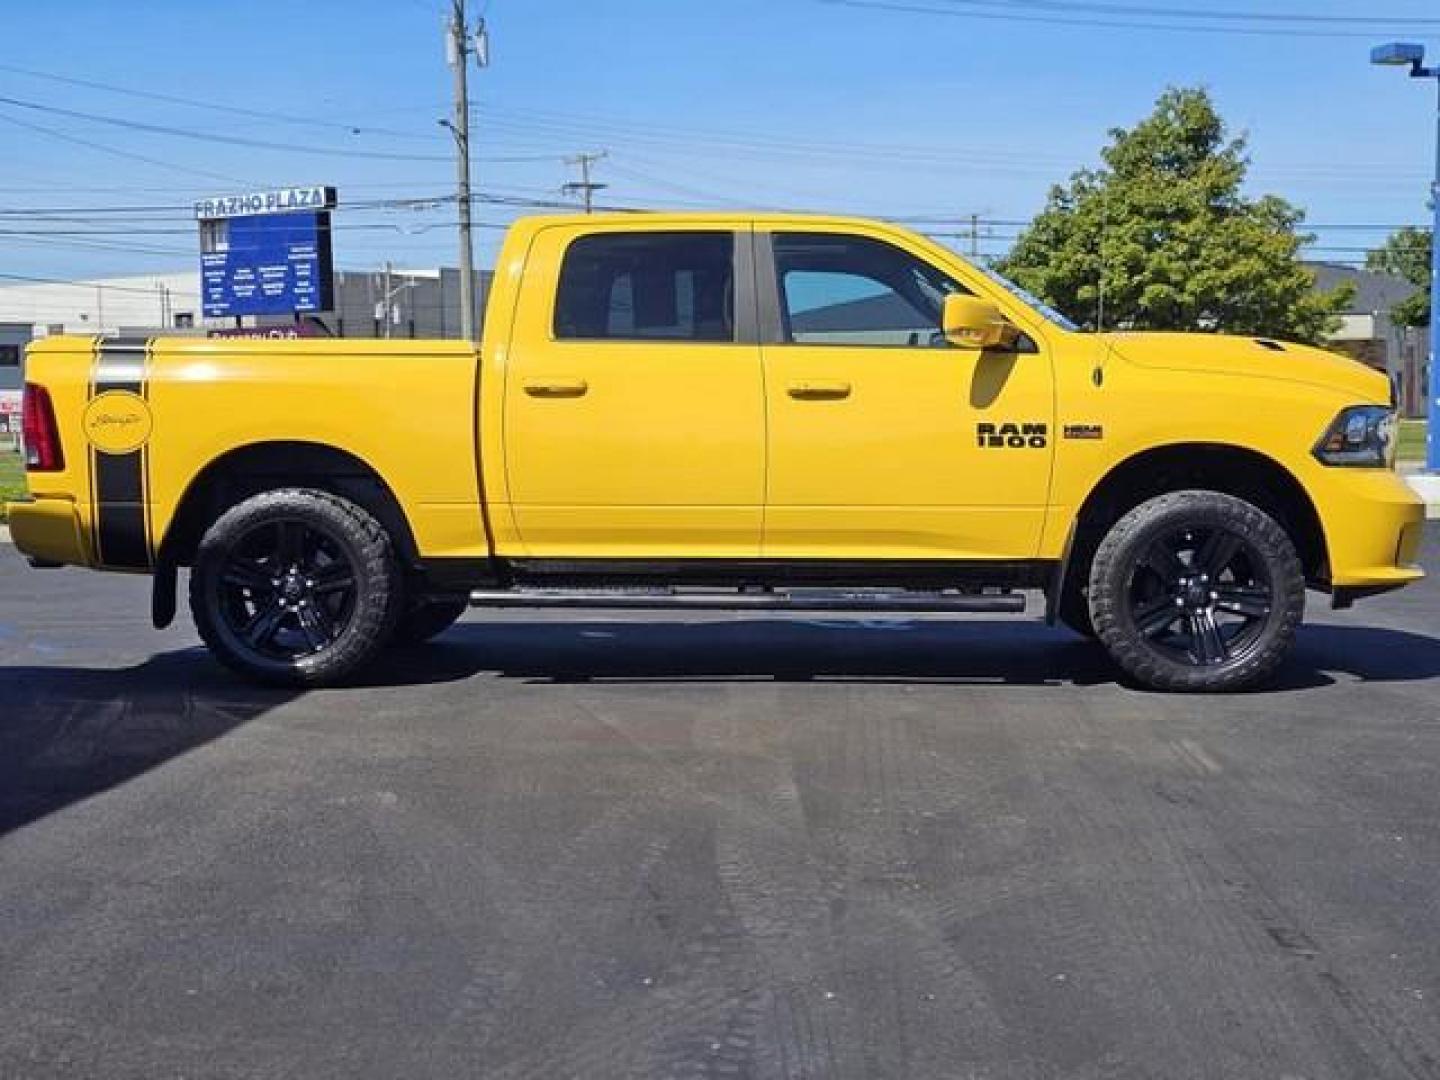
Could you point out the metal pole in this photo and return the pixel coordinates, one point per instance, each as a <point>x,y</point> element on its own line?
<point>389,313</point>
<point>460,51</point>
<point>1432,437</point>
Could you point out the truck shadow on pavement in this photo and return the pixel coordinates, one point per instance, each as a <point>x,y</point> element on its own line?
<point>67,733</point>
<point>876,651</point>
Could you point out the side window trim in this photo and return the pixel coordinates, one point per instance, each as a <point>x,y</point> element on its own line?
<point>747,280</point>
<point>770,314</point>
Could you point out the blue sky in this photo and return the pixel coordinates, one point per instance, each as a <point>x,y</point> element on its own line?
<point>770,103</point>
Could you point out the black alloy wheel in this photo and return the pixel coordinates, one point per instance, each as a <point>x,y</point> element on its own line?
<point>287,590</point>
<point>1201,595</point>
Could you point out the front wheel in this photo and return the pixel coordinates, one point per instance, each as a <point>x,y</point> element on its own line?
<point>1197,591</point>
<point>295,588</point>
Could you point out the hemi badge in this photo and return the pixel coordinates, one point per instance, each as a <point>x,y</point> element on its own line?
<point>1084,431</point>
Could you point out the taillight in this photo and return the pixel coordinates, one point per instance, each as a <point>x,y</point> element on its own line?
<point>39,431</point>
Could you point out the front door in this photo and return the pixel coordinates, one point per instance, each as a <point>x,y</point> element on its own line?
<point>634,407</point>
<point>885,441</point>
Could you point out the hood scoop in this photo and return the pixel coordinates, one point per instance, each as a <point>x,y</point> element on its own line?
<point>1267,343</point>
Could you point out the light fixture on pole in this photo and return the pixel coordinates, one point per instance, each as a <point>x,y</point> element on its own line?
<point>1411,55</point>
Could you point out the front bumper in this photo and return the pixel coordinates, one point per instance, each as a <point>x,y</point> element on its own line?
<point>49,531</point>
<point>1374,524</point>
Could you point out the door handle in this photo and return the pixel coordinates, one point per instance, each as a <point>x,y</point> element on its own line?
<point>819,390</point>
<point>556,387</point>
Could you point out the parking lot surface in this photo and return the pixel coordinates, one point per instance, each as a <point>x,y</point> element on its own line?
<point>682,847</point>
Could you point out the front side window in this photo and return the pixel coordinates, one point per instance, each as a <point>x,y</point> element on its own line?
<point>673,286</point>
<point>852,290</point>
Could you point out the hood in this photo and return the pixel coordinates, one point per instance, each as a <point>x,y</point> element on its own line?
<point>1260,358</point>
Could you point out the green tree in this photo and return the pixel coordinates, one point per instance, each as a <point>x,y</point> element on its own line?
<point>1162,238</point>
<point>1406,254</point>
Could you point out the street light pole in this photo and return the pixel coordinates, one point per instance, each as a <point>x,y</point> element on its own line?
<point>1432,430</point>
<point>1406,54</point>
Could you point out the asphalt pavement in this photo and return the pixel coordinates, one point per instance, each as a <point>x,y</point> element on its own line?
<point>714,847</point>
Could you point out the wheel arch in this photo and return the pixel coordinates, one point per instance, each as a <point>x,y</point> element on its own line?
<point>257,467</point>
<point>1232,470</point>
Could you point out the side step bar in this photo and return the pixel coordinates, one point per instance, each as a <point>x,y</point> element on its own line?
<point>803,600</point>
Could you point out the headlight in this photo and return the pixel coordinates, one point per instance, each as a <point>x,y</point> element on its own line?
<point>1361,437</point>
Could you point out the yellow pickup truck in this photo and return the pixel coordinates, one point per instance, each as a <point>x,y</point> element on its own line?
<point>725,411</point>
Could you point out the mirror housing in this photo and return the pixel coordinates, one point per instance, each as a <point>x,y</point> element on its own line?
<point>970,322</point>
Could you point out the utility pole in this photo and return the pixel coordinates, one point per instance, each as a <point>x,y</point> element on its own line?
<point>459,47</point>
<point>974,237</point>
<point>586,187</point>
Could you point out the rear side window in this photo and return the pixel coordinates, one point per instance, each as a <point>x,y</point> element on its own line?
<point>661,286</point>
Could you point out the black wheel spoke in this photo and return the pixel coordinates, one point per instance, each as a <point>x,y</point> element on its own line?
<point>261,629</point>
<point>336,577</point>
<point>247,574</point>
<point>1206,639</point>
<point>1216,553</point>
<point>290,544</point>
<point>1157,616</point>
<point>1163,560</point>
<point>1248,601</point>
<point>315,624</point>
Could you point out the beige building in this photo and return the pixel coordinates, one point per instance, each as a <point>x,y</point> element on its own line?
<point>1368,332</point>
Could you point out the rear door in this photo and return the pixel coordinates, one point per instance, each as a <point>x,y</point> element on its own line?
<point>634,408</point>
<point>886,442</point>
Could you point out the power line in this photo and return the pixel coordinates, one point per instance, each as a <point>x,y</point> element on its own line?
<point>1211,15</point>
<point>211,137</point>
<point>1111,24</point>
<point>167,165</point>
<point>232,110</point>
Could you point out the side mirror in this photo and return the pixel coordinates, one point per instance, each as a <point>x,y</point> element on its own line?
<point>972,323</point>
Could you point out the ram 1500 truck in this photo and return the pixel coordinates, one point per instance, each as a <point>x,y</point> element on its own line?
<point>725,411</point>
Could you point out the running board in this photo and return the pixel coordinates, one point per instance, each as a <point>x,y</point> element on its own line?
<point>799,600</point>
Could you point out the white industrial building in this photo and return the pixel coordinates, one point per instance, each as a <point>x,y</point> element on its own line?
<point>412,303</point>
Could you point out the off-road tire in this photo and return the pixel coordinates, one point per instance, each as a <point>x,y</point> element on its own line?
<point>373,603</point>
<point>1115,564</point>
<point>427,620</point>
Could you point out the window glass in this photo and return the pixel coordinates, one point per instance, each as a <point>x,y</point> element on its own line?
<point>851,290</point>
<point>9,355</point>
<point>672,286</point>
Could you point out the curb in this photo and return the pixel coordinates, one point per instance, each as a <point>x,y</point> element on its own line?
<point>1427,486</point>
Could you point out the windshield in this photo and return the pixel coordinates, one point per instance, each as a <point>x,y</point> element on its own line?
<point>1028,297</point>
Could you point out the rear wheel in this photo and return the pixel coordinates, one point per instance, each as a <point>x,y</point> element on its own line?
<point>295,587</point>
<point>427,620</point>
<point>1197,591</point>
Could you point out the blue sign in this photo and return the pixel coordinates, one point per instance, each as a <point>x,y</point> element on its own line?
<point>267,264</point>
